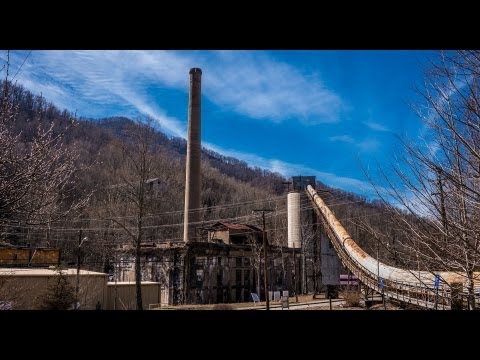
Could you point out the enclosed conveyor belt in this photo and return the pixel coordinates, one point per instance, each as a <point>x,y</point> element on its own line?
<point>411,286</point>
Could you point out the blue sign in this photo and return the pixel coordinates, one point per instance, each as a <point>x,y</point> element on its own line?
<point>437,281</point>
<point>380,283</point>
<point>255,297</point>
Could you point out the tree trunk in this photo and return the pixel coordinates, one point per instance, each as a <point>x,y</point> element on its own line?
<point>258,280</point>
<point>304,273</point>
<point>471,291</point>
<point>138,275</point>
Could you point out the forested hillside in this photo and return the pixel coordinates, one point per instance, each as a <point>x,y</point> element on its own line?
<point>103,156</point>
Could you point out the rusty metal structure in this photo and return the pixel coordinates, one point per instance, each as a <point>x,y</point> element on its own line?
<point>404,285</point>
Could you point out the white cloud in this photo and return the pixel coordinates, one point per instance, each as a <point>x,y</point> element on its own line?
<point>433,148</point>
<point>368,145</point>
<point>342,138</point>
<point>288,169</point>
<point>89,81</point>
<point>249,83</point>
<point>258,86</point>
<point>376,126</point>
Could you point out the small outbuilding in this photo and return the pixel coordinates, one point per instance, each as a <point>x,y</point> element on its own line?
<point>121,295</point>
<point>28,288</point>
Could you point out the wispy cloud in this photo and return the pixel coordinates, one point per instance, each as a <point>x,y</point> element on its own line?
<point>253,84</point>
<point>376,126</point>
<point>442,96</point>
<point>288,169</point>
<point>369,145</point>
<point>259,86</point>
<point>249,83</point>
<point>342,138</point>
<point>90,81</point>
<point>433,148</point>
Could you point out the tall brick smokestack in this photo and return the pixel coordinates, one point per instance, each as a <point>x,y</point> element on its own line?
<point>193,176</point>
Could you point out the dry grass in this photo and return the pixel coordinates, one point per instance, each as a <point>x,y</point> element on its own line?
<point>223,307</point>
<point>232,306</point>
<point>386,307</point>
<point>351,297</point>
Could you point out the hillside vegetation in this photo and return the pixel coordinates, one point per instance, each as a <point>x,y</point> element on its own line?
<point>98,154</point>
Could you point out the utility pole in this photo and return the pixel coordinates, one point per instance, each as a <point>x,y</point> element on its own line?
<point>77,285</point>
<point>265,277</point>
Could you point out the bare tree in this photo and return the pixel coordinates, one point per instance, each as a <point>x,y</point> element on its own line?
<point>309,252</point>
<point>129,198</point>
<point>37,174</point>
<point>439,190</point>
<point>256,259</point>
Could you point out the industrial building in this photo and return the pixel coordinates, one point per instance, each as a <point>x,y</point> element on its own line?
<point>228,267</point>
<point>228,264</point>
<point>222,263</point>
<point>210,272</point>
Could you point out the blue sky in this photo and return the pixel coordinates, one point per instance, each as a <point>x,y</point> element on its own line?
<point>322,113</point>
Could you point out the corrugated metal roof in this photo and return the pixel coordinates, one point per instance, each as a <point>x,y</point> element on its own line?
<point>45,272</point>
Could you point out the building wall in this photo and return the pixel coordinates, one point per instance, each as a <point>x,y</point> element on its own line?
<point>27,292</point>
<point>163,266</point>
<point>207,273</point>
<point>122,296</point>
<point>234,236</point>
<point>222,235</point>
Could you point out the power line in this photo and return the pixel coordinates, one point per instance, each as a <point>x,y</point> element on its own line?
<point>281,211</point>
<point>181,212</point>
<point>20,68</point>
